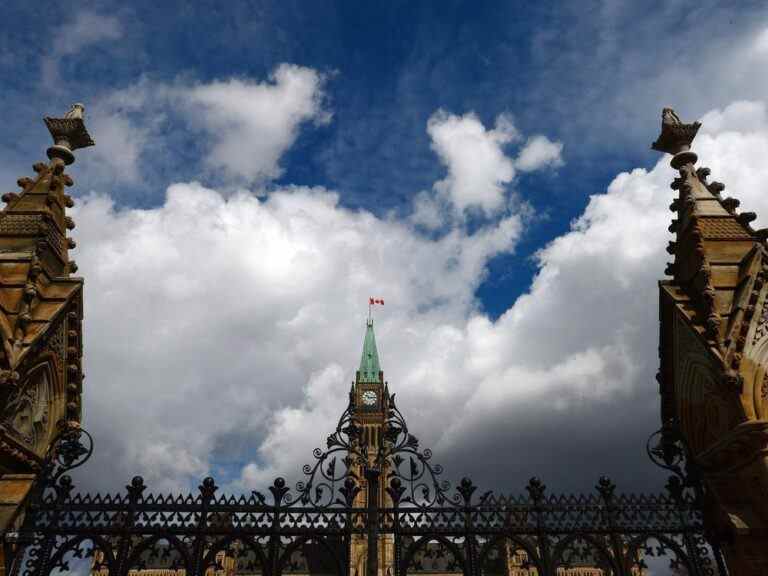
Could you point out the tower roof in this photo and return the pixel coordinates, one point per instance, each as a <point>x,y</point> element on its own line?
<point>37,282</point>
<point>369,361</point>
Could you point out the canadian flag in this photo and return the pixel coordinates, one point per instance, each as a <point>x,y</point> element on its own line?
<point>372,301</point>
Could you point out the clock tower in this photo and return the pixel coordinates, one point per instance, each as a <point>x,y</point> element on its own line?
<point>370,403</point>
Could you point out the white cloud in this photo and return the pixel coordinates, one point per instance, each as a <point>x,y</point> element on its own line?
<point>243,126</point>
<point>538,152</point>
<point>229,305</point>
<point>478,169</point>
<point>85,29</point>
<point>251,124</point>
<point>741,117</point>
<point>242,319</point>
<point>760,45</point>
<point>124,124</point>
<point>573,357</point>
<point>582,337</point>
<point>428,211</point>
<point>213,317</point>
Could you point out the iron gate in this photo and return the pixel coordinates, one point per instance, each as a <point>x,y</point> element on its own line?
<point>334,523</point>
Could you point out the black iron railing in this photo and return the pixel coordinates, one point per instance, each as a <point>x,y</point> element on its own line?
<point>421,525</point>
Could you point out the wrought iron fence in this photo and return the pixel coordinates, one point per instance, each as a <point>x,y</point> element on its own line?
<point>336,522</point>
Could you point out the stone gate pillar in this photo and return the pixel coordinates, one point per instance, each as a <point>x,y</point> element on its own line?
<point>714,350</point>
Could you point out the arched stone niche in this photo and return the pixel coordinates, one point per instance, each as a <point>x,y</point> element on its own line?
<point>756,382</point>
<point>702,411</point>
<point>35,407</point>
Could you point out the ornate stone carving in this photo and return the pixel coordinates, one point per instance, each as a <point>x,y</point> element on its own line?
<point>702,174</point>
<point>740,446</point>
<point>30,407</point>
<point>764,388</point>
<point>27,413</point>
<point>715,188</point>
<point>57,345</point>
<point>7,447</point>
<point>20,223</point>
<point>746,217</point>
<point>730,204</point>
<point>762,324</point>
<point>676,138</point>
<point>68,133</point>
<point>698,396</point>
<point>76,111</point>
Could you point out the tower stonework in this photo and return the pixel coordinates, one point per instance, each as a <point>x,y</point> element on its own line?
<point>370,400</point>
<point>714,351</point>
<point>41,311</point>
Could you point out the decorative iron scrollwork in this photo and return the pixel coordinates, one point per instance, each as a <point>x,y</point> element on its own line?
<point>430,528</point>
<point>411,478</point>
<point>416,479</point>
<point>668,449</point>
<point>70,449</point>
<point>331,474</point>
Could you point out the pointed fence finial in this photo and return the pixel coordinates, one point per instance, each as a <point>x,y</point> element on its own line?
<point>68,133</point>
<point>676,138</point>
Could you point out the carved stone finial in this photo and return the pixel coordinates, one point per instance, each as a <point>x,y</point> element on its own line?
<point>676,138</point>
<point>668,116</point>
<point>68,133</point>
<point>76,111</point>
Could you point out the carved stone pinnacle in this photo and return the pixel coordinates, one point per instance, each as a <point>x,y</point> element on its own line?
<point>68,133</point>
<point>676,138</point>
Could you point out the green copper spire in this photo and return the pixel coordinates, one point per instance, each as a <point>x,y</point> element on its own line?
<point>369,362</point>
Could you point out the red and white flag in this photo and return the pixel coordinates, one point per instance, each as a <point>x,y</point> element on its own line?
<point>372,301</point>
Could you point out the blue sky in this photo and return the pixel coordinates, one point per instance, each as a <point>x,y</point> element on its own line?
<point>261,168</point>
<point>556,68</point>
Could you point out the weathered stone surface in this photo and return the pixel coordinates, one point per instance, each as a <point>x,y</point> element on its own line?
<point>732,252</point>
<point>716,389</point>
<point>725,276</point>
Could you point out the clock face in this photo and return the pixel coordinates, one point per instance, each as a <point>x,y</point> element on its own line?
<point>369,397</point>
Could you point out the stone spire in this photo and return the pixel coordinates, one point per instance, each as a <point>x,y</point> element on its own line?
<point>370,400</point>
<point>713,245</point>
<point>714,347</point>
<point>41,310</point>
<point>36,217</point>
<point>370,369</point>
<point>40,300</point>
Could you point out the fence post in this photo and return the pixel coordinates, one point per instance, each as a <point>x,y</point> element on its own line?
<point>606,489</point>
<point>135,491</point>
<point>207,489</point>
<point>63,489</point>
<point>372,476</point>
<point>279,490</point>
<point>466,489</point>
<point>536,490</point>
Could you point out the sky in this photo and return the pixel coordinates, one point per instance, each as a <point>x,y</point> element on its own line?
<point>262,168</point>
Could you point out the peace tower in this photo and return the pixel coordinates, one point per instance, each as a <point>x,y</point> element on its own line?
<point>370,405</point>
